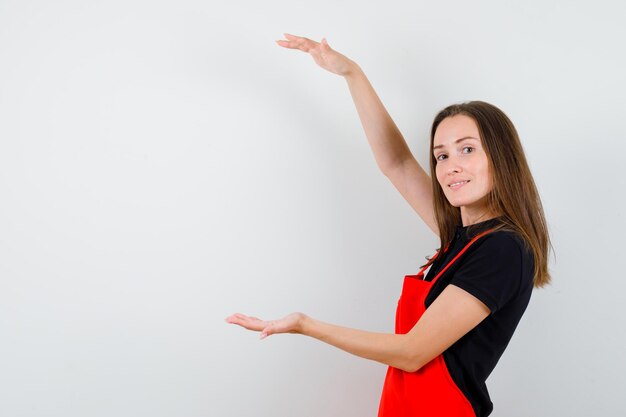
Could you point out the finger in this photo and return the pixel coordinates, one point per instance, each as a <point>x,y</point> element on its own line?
<point>250,323</point>
<point>291,37</point>
<point>293,45</point>
<point>246,318</point>
<point>256,326</point>
<point>235,319</point>
<point>239,316</point>
<point>232,317</point>
<point>297,42</point>
<point>303,44</point>
<point>325,47</point>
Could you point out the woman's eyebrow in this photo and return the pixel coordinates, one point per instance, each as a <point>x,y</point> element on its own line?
<point>456,141</point>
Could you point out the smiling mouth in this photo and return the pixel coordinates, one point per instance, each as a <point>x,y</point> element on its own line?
<point>458,184</point>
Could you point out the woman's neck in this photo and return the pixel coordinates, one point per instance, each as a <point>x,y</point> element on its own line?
<point>469,219</point>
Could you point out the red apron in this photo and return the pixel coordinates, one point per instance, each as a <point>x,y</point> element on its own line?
<point>430,391</point>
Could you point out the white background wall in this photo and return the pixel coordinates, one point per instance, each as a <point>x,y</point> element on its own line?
<point>165,164</point>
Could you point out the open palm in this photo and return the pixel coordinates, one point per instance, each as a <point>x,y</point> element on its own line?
<point>288,324</point>
<point>321,52</point>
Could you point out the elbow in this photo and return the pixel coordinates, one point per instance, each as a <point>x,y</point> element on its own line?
<point>411,364</point>
<point>412,367</point>
<point>390,166</point>
<point>384,169</point>
<point>412,358</point>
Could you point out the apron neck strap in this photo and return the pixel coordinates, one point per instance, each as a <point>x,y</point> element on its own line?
<point>458,255</point>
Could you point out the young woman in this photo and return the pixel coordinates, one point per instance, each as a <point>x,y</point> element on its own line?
<point>453,322</point>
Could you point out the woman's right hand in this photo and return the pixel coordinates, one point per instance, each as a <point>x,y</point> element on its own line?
<point>322,54</point>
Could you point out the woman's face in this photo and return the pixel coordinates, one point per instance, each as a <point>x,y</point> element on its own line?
<point>462,167</point>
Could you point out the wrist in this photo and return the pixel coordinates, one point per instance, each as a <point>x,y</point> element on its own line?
<point>306,324</point>
<point>352,70</point>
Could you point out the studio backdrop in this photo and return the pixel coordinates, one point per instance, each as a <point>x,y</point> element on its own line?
<point>164,164</point>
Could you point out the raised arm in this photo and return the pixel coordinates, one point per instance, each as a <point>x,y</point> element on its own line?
<point>391,151</point>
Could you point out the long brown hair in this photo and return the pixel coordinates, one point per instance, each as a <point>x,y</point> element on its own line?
<point>514,196</point>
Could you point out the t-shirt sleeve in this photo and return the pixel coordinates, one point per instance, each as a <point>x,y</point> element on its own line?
<point>492,273</point>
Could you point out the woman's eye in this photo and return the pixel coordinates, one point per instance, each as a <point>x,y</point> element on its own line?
<point>440,157</point>
<point>467,149</point>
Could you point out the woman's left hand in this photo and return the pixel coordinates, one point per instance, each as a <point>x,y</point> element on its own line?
<point>291,323</point>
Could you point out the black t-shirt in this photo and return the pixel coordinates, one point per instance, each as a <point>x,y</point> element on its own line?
<point>497,269</point>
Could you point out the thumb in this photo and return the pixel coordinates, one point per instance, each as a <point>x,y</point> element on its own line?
<point>325,44</point>
<point>268,330</point>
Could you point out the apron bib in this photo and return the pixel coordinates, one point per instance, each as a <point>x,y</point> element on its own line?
<point>430,391</point>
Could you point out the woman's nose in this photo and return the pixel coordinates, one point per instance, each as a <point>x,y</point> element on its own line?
<point>454,168</point>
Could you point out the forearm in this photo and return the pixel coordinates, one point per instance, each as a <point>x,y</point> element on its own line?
<point>384,137</point>
<point>389,349</point>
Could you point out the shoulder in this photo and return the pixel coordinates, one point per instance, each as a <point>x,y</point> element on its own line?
<point>497,267</point>
<point>505,252</point>
<point>504,243</point>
